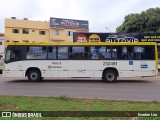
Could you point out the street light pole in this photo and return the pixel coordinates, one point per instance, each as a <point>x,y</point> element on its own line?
<point>108,29</point>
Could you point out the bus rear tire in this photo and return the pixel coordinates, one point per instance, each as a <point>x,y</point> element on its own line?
<point>34,76</point>
<point>110,76</point>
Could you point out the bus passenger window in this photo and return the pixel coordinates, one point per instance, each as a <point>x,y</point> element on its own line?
<point>52,53</point>
<point>37,52</point>
<point>8,55</point>
<point>138,52</point>
<point>94,53</point>
<point>144,52</point>
<point>124,53</point>
<point>117,52</point>
<point>100,53</point>
<point>130,53</point>
<point>114,53</point>
<point>62,53</point>
<point>149,53</point>
<point>15,55</point>
<point>105,52</point>
<point>79,53</point>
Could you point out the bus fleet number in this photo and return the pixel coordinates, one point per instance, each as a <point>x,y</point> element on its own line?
<point>109,63</point>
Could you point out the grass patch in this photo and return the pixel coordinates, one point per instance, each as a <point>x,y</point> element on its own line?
<point>63,98</point>
<point>63,103</point>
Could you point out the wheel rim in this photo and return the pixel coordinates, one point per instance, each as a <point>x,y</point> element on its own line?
<point>110,76</point>
<point>34,76</point>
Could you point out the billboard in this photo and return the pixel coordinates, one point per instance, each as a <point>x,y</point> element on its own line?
<point>68,23</point>
<point>116,37</point>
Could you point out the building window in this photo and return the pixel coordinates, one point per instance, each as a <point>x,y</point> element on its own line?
<point>15,30</point>
<point>15,41</point>
<point>42,32</point>
<point>69,33</point>
<point>25,40</point>
<point>25,31</point>
<point>56,32</point>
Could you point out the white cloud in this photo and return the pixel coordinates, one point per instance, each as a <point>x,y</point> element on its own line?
<point>99,13</point>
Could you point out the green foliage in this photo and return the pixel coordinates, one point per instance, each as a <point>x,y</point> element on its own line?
<point>64,103</point>
<point>146,22</point>
<point>65,98</point>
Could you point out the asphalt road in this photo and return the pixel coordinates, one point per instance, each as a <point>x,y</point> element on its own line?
<point>139,89</point>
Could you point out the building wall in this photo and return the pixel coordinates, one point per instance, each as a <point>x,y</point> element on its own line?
<point>34,28</point>
<point>2,45</point>
<point>65,35</point>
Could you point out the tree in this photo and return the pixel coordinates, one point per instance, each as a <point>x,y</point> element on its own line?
<point>146,22</point>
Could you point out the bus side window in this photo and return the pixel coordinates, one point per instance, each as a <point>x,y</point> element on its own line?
<point>114,53</point>
<point>149,53</point>
<point>52,53</point>
<point>139,52</point>
<point>130,53</point>
<point>104,53</point>
<point>100,52</point>
<point>62,52</point>
<point>117,52</point>
<point>15,55</point>
<point>8,55</point>
<point>94,52</point>
<point>37,52</point>
<point>124,53</point>
<point>144,52</point>
<point>158,51</point>
<point>79,53</point>
<point>86,53</point>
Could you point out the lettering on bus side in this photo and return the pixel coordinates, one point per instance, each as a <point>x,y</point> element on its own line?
<point>55,65</point>
<point>52,67</point>
<point>109,63</point>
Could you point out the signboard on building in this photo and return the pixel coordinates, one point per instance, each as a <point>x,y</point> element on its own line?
<point>116,37</point>
<point>68,23</point>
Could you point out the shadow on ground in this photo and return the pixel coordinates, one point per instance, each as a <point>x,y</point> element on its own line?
<point>80,81</point>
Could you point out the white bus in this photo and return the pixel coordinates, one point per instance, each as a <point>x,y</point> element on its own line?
<point>81,60</point>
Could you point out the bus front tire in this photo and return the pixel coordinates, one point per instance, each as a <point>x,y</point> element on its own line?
<point>34,76</point>
<point>110,76</point>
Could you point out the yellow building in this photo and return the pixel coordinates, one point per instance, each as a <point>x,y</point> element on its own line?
<point>56,30</point>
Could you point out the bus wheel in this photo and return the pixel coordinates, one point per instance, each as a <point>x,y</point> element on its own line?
<point>34,76</point>
<point>110,76</point>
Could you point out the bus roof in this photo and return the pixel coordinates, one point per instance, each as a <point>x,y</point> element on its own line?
<point>80,43</point>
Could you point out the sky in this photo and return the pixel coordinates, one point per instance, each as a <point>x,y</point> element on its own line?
<point>103,15</point>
